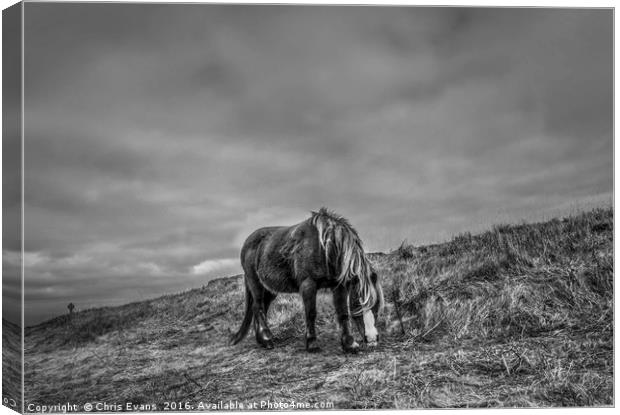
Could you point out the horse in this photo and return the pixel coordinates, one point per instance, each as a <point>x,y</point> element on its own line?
<point>324,251</point>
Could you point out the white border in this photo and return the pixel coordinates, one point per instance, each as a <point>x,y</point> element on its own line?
<point>478,3</point>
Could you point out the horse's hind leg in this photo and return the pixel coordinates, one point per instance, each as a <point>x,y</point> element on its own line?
<point>268,298</point>
<point>259,294</point>
<point>308,291</point>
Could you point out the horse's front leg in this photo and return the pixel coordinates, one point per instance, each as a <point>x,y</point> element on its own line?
<point>308,291</point>
<point>349,345</point>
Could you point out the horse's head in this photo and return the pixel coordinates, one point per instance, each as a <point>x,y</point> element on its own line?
<point>365,302</point>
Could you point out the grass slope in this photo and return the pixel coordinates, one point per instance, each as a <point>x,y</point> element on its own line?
<point>11,365</point>
<point>518,316</point>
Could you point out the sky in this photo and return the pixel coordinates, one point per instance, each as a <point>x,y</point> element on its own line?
<point>157,137</point>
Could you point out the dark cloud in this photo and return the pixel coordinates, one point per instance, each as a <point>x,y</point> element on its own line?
<point>159,136</point>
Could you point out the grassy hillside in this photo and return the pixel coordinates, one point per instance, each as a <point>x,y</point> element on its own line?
<point>516,316</point>
<point>11,365</point>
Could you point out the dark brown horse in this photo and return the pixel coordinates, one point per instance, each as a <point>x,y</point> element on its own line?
<point>323,251</point>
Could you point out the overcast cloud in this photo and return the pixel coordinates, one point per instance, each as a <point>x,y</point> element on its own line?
<point>159,136</point>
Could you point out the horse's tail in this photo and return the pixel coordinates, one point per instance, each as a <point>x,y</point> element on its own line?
<point>247,319</point>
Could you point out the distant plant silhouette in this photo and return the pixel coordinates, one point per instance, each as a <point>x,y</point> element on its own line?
<point>406,251</point>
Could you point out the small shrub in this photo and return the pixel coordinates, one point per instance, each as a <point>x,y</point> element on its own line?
<point>405,251</point>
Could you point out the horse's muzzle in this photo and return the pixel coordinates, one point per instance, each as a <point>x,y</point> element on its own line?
<point>371,341</point>
<point>366,327</point>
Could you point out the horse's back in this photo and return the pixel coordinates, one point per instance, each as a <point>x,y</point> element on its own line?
<point>266,255</point>
<point>253,245</point>
<point>256,237</point>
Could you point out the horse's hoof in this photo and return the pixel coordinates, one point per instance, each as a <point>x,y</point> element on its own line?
<point>353,348</point>
<point>349,345</point>
<point>266,343</point>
